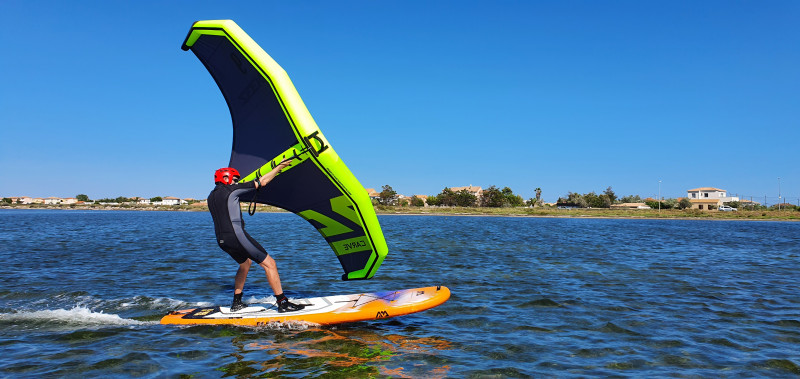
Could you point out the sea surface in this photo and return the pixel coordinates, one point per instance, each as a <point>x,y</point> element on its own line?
<point>82,292</point>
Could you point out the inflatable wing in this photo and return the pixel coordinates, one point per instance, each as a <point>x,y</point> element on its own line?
<point>271,123</point>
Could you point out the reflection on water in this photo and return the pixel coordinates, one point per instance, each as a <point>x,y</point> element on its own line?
<point>339,352</point>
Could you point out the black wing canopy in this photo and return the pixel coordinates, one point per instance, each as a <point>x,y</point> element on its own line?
<point>271,123</point>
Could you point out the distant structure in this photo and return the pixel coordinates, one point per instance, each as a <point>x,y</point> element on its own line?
<point>476,191</point>
<point>53,200</point>
<point>170,200</point>
<point>707,198</point>
<point>373,195</point>
<point>630,206</point>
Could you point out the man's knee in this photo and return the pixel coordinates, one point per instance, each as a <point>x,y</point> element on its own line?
<point>268,263</point>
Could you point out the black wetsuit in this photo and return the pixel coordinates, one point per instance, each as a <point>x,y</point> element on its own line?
<point>223,203</point>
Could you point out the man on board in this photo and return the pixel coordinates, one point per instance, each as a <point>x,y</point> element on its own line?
<point>223,203</point>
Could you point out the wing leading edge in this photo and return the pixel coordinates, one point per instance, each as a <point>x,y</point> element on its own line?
<point>270,123</point>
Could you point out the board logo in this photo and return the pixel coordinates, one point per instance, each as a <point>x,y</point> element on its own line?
<point>382,314</point>
<point>204,312</point>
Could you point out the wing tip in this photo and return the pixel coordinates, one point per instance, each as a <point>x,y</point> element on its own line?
<point>224,24</point>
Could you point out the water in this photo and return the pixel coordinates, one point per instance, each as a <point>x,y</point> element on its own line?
<point>82,291</point>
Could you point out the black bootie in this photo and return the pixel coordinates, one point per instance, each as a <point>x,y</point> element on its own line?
<point>237,302</point>
<point>284,305</point>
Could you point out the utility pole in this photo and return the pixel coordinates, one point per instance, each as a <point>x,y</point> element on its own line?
<point>659,197</point>
<point>779,193</point>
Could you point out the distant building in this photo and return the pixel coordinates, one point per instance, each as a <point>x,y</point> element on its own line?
<point>52,200</point>
<point>746,203</point>
<point>424,199</point>
<point>21,200</point>
<point>476,191</point>
<point>373,195</point>
<point>170,200</point>
<point>630,206</point>
<point>706,198</point>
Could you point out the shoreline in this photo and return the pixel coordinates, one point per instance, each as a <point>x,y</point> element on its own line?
<point>587,213</point>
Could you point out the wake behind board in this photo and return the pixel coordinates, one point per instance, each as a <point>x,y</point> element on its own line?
<point>326,310</point>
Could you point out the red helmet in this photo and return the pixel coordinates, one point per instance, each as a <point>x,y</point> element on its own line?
<point>226,175</point>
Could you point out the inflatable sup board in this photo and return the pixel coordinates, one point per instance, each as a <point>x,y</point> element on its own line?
<point>326,310</point>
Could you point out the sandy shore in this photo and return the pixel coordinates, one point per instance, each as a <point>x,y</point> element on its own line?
<point>670,214</point>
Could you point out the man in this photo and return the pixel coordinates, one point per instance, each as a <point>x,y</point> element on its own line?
<point>223,203</point>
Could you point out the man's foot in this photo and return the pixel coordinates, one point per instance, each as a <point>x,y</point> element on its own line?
<point>238,306</point>
<point>287,306</point>
<point>237,303</point>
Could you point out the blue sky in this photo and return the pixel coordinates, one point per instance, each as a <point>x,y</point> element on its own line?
<point>98,98</point>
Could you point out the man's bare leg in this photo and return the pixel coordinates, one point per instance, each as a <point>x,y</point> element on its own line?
<point>238,286</point>
<point>241,277</point>
<point>271,269</point>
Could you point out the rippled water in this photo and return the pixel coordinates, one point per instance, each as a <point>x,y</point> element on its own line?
<point>82,291</point>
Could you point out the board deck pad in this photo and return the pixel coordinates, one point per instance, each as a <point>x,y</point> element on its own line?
<point>325,310</point>
<point>247,310</point>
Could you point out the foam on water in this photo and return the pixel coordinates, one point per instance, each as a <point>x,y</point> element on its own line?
<point>76,316</point>
<point>159,303</point>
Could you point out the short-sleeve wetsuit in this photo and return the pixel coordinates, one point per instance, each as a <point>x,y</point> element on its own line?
<point>223,203</point>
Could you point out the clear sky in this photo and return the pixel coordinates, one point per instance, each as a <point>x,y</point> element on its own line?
<point>97,98</point>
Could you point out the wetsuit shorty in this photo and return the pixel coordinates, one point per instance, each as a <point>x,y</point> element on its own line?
<point>223,203</point>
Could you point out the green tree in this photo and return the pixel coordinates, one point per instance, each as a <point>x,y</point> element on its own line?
<point>573,199</point>
<point>510,199</point>
<point>630,199</point>
<point>592,200</point>
<point>465,199</point>
<point>492,197</point>
<point>597,201</point>
<point>666,204</point>
<point>7,200</point>
<point>611,195</point>
<point>684,204</point>
<point>578,199</point>
<point>434,201</point>
<point>447,197</point>
<point>535,202</point>
<point>156,199</point>
<point>82,197</point>
<point>388,196</point>
<point>417,202</point>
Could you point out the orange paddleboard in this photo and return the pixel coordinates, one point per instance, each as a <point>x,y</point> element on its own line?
<point>320,310</point>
